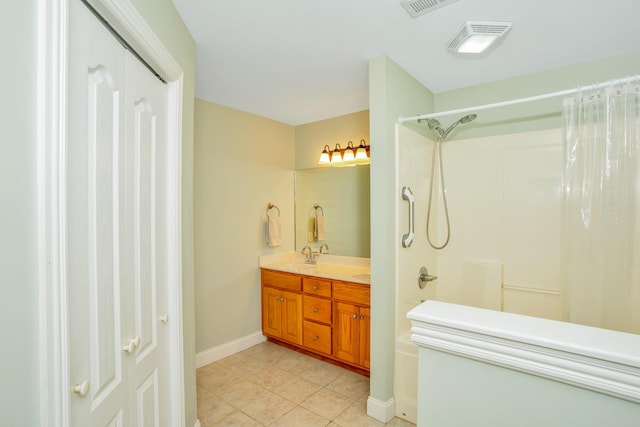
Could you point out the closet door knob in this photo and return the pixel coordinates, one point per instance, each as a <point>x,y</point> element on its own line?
<point>132,344</point>
<point>81,389</point>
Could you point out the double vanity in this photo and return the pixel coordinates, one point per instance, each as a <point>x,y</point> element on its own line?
<point>321,308</point>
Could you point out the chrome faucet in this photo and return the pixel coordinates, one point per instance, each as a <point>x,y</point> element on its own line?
<point>325,246</point>
<point>310,257</point>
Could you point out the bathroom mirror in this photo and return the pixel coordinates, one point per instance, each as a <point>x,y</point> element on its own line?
<point>343,195</point>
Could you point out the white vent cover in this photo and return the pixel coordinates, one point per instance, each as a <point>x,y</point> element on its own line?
<point>492,30</point>
<point>420,7</point>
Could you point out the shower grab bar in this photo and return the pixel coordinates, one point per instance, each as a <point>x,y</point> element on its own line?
<point>407,238</point>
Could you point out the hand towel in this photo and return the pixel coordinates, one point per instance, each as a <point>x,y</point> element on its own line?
<point>274,232</point>
<point>319,229</point>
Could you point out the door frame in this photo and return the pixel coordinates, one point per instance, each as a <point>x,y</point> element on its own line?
<point>53,30</point>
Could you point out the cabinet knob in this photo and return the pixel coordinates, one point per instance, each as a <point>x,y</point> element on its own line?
<point>361,317</point>
<point>165,318</point>
<point>81,389</point>
<point>315,338</point>
<point>315,309</point>
<point>355,316</point>
<point>315,287</point>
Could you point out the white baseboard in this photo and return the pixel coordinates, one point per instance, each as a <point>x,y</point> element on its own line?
<point>381,411</point>
<point>220,352</point>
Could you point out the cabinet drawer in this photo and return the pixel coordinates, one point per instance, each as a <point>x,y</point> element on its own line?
<point>281,280</point>
<point>351,292</point>
<point>318,309</point>
<point>317,337</point>
<point>311,285</point>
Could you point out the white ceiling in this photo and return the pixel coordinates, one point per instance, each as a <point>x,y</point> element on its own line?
<point>299,61</point>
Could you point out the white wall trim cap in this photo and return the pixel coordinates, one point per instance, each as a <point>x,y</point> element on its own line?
<point>596,359</point>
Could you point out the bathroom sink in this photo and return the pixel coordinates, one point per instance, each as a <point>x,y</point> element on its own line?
<point>300,267</point>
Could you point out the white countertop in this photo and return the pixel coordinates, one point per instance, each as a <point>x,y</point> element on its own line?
<point>349,269</point>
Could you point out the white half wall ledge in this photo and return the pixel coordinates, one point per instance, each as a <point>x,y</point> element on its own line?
<point>596,359</point>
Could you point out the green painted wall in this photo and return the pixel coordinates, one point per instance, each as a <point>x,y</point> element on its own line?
<point>18,216</point>
<point>242,163</point>
<point>537,115</point>
<point>392,93</point>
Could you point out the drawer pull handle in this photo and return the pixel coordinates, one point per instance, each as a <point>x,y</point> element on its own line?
<point>315,288</point>
<point>315,309</point>
<point>315,338</point>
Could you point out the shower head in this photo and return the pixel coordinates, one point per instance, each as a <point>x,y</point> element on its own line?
<point>466,119</point>
<point>434,124</point>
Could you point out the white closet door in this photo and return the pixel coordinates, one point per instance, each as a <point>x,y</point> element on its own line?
<point>115,232</point>
<point>146,241</point>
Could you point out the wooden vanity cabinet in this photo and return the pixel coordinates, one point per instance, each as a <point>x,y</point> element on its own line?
<point>327,317</point>
<point>282,306</point>
<point>316,310</point>
<point>351,323</point>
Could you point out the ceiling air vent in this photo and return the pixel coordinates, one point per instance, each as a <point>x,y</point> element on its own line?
<point>420,7</point>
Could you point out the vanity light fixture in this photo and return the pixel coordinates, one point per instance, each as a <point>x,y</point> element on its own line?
<point>324,157</point>
<point>336,155</point>
<point>362,153</point>
<point>477,36</point>
<point>349,156</point>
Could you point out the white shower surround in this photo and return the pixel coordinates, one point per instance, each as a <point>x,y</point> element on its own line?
<point>505,207</point>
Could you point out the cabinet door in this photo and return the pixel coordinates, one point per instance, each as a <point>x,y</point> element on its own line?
<point>292,317</point>
<point>345,332</point>
<point>271,312</point>
<point>364,332</point>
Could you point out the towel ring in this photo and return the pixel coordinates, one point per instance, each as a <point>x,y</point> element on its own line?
<point>272,206</point>
<point>316,207</point>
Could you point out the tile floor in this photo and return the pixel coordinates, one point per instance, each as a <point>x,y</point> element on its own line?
<point>269,385</point>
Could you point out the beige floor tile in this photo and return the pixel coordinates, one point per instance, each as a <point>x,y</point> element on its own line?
<point>322,373</point>
<point>297,389</point>
<point>271,385</point>
<point>213,410</point>
<point>295,363</point>
<point>237,419</point>
<point>356,415</point>
<point>268,407</point>
<point>327,403</point>
<point>300,417</point>
<point>218,379</point>
<point>350,384</point>
<point>397,422</point>
<point>270,378</point>
<point>241,394</point>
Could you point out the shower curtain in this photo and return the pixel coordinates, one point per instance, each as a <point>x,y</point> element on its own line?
<point>602,208</point>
